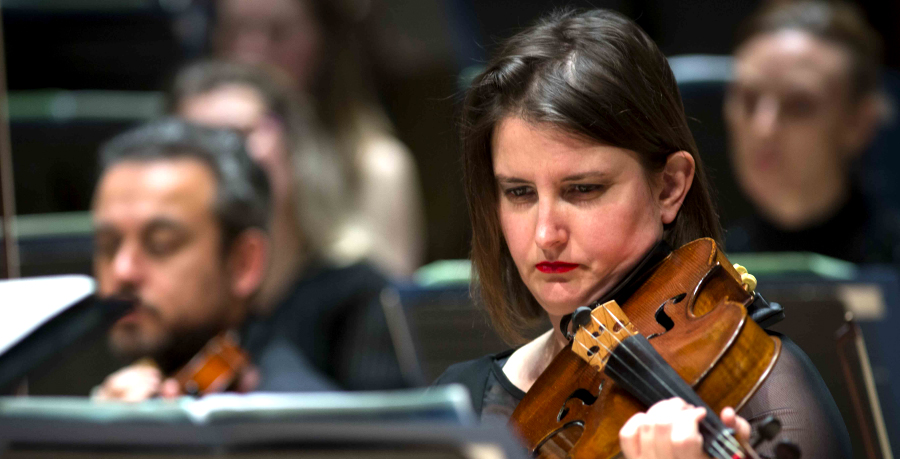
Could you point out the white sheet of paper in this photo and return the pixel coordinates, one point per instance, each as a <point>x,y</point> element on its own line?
<point>26,304</point>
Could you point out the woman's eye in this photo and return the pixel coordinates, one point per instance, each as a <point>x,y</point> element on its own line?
<point>583,191</point>
<point>518,193</point>
<point>585,188</point>
<point>799,106</point>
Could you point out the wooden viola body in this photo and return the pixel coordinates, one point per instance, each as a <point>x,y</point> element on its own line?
<point>693,310</point>
<point>216,368</point>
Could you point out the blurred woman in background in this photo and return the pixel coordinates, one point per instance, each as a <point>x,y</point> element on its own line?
<point>313,42</point>
<point>803,107</point>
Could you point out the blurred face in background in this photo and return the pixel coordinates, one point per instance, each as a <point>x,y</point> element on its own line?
<point>794,126</point>
<point>158,241</point>
<point>282,33</point>
<point>241,107</point>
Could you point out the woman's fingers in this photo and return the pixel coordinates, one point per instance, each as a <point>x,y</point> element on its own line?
<point>739,424</point>
<point>657,431</point>
<point>629,438</point>
<point>667,430</point>
<point>686,440</point>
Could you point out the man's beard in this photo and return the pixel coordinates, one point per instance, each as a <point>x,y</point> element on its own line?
<point>171,349</point>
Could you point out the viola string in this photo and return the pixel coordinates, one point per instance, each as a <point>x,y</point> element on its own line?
<point>732,443</point>
<point>720,449</point>
<point>714,442</point>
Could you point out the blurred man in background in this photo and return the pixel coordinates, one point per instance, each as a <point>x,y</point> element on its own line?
<point>327,308</point>
<point>803,106</point>
<point>180,217</point>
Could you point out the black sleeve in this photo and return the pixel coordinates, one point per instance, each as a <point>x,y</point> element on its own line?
<point>795,393</point>
<point>473,375</point>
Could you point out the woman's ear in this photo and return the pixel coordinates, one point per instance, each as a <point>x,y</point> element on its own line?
<point>674,183</point>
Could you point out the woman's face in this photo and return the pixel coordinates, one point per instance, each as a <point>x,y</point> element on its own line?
<point>792,123</point>
<point>282,33</point>
<point>240,107</point>
<point>576,216</point>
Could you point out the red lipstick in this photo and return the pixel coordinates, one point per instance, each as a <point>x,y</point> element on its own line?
<point>555,267</point>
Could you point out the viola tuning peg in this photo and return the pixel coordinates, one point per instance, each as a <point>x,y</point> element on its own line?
<point>787,450</point>
<point>768,429</point>
<point>581,317</point>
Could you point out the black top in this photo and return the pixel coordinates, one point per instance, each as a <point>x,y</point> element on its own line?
<point>859,232</point>
<point>794,392</point>
<point>329,332</point>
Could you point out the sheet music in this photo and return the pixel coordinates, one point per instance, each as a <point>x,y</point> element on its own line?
<point>26,304</point>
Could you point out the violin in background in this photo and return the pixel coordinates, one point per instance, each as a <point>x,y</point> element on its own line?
<point>218,367</point>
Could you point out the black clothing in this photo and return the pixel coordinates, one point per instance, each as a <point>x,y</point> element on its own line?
<point>329,332</point>
<point>794,392</point>
<point>860,232</point>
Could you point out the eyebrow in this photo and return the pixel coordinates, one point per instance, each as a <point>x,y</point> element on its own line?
<point>585,175</point>
<point>163,223</point>
<point>158,223</point>
<point>104,228</point>
<point>507,179</point>
<point>568,178</point>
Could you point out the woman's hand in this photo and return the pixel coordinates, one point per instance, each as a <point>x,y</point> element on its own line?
<point>669,430</point>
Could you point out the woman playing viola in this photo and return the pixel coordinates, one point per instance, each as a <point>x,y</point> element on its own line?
<point>578,164</point>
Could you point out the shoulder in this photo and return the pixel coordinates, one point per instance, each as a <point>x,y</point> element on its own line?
<point>467,373</point>
<point>382,157</point>
<point>340,281</point>
<point>283,368</point>
<point>356,274</point>
<point>472,374</point>
<point>324,291</point>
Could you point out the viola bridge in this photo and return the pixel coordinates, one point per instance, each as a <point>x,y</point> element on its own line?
<point>596,339</point>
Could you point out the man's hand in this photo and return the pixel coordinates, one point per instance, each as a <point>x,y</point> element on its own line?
<point>669,429</point>
<point>136,382</point>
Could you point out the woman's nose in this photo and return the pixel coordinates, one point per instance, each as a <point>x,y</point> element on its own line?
<point>765,116</point>
<point>552,231</point>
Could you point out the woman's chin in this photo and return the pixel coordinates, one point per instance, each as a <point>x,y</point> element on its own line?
<point>560,306</point>
<point>558,300</point>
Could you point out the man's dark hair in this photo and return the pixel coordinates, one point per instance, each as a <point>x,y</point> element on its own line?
<point>242,190</point>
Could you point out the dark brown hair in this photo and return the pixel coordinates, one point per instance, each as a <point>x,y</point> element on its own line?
<point>596,75</point>
<point>836,22</point>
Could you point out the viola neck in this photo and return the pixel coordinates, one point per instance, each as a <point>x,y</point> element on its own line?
<point>636,366</point>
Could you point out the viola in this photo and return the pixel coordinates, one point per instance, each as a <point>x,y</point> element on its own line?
<point>683,333</point>
<point>216,368</point>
